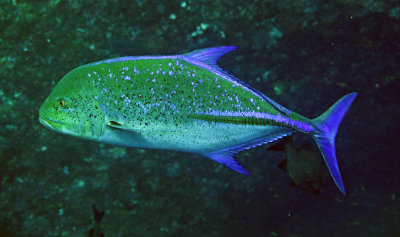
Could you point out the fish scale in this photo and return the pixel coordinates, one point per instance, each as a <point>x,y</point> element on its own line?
<point>152,84</point>
<point>180,102</point>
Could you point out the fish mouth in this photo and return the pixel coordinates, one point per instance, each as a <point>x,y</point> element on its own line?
<point>49,123</point>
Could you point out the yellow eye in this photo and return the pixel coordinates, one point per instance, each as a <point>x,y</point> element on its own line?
<point>61,103</point>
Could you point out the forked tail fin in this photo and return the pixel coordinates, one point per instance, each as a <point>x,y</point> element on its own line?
<point>326,126</point>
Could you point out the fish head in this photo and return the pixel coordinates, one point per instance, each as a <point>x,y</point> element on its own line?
<point>71,109</point>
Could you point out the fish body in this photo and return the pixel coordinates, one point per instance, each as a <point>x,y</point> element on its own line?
<point>97,216</point>
<point>180,102</point>
<point>301,164</point>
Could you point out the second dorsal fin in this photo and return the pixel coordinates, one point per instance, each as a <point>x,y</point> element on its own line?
<point>210,56</point>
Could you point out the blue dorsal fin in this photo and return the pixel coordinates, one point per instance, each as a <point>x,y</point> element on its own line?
<point>277,106</point>
<point>210,56</point>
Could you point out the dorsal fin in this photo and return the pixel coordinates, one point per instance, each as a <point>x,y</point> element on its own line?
<point>210,56</point>
<point>277,106</point>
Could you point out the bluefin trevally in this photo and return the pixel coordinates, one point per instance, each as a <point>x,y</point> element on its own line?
<point>183,103</point>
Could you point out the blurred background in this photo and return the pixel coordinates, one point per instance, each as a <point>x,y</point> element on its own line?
<point>303,54</point>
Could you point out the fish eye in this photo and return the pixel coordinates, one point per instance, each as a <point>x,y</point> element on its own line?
<point>61,103</point>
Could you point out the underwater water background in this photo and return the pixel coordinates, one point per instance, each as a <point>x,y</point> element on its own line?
<point>303,54</point>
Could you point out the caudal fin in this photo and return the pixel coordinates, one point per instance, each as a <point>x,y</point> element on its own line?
<point>326,126</point>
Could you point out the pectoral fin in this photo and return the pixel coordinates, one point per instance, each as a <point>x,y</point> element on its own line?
<point>114,124</point>
<point>120,126</point>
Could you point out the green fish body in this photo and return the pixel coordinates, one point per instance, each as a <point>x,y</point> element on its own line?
<point>183,103</point>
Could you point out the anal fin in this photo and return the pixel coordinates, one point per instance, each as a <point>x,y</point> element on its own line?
<point>226,158</point>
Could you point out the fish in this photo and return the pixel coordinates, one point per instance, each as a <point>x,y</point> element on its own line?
<point>183,103</point>
<point>301,164</point>
<point>97,216</point>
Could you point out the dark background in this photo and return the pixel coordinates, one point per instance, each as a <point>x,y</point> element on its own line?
<point>303,54</point>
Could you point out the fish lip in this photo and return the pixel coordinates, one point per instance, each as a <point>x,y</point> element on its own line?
<point>49,123</point>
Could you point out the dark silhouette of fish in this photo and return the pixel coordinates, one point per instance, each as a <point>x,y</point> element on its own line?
<point>301,165</point>
<point>96,230</point>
